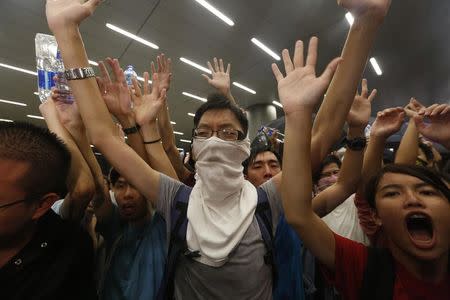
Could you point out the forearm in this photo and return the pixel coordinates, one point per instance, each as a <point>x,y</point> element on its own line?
<point>230,97</point>
<point>409,146</point>
<point>341,91</point>
<point>166,129</point>
<point>373,158</point>
<point>134,140</point>
<point>350,173</point>
<point>157,156</point>
<point>175,159</point>
<point>93,110</point>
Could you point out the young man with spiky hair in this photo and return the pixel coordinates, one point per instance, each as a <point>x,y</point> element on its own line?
<point>41,256</point>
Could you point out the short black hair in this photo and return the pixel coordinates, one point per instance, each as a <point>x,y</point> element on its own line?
<point>113,176</point>
<point>427,151</point>
<point>219,101</point>
<point>427,175</point>
<point>253,154</point>
<point>47,155</point>
<point>330,159</point>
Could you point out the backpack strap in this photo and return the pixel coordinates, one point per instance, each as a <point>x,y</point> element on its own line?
<point>379,275</point>
<point>177,244</point>
<point>263,215</point>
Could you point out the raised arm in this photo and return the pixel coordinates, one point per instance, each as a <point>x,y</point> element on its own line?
<point>80,182</point>
<point>369,14</point>
<point>220,78</point>
<point>69,116</point>
<point>350,173</point>
<point>299,92</point>
<point>147,105</point>
<point>117,96</point>
<point>409,146</point>
<point>437,127</point>
<point>64,17</point>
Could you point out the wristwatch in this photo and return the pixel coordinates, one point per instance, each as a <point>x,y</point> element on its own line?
<point>131,130</point>
<point>79,73</point>
<point>356,144</point>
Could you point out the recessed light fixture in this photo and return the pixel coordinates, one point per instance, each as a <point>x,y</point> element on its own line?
<point>6,120</point>
<point>194,96</point>
<point>191,114</point>
<point>185,141</point>
<point>277,103</point>
<point>35,117</point>
<point>216,12</point>
<point>265,48</point>
<point>239,85</point>
<point>178,133</point>
<point>376,66</point>
<point>195,65</point>
<point>94,63</point>
<point>132,36</point>
<point>13,102</point>
<point>18,69</point>
<point>350,18</point>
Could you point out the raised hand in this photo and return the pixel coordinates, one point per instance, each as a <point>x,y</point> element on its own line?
<point>220,78</point>
<point>359,113</point>
<point>388,122</point>
<point>148,104</point>
<point>68,113</point>
<point>63,13</point>
<point>300,88</point>
<point>413,108</point>
<point>115,93</point>
<point>164,71</point>
<point>360,7</point>
<point>434,123</point>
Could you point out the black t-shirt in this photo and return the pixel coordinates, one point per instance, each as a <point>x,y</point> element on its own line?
<point>57,263</point>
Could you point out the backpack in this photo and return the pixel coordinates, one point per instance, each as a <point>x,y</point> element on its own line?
<point>178,244</point>
<point>379,275</point>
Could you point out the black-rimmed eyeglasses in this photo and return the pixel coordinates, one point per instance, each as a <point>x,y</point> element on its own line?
<point>227,134</point>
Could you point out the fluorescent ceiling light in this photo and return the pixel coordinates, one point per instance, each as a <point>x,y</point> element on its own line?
<point>277,103</point>
<point>195,65</point>
<point>185,141</point>
<point>376,66</point>
<point>191,114</point>
<point>350,18</point>
<point>131,36</point>
<point>173,123</point>
<point>216,12</point>
<point>6,120</point>
<point>177,132</point>
<point>180,149</point>
<point>265,48</point>
<point>35,117</point>
<point>142,79</point>
<point>18,69</point>
<point>194,96</point>
<point>13,102</point>
<point>94,63</point>
<point>36,93</point>
<point>244,87</point>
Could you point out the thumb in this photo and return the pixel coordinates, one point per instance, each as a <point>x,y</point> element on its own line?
<point>327,75</point>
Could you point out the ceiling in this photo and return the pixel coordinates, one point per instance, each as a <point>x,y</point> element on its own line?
<point>412,47</point>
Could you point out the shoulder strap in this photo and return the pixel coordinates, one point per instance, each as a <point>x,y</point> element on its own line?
<point>177,244</point>
<point>379,275</point>
<point>263,215</point>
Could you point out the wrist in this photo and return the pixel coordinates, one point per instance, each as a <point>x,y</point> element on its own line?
<point>126,120</point>
<point>355,131</point>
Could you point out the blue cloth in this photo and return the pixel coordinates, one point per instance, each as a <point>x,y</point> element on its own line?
<point>288,260</point>
<point>136,261</point>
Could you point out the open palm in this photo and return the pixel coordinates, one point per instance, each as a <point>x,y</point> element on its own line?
<point>147,105</point>
<point>300,88</point>
<point>220,78</point>
<point>68,12</point>
<point>359,113</point>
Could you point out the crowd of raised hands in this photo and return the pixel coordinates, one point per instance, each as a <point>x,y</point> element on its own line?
<point>140,145</point>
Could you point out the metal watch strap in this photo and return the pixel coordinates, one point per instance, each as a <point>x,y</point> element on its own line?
<point>79,73</point>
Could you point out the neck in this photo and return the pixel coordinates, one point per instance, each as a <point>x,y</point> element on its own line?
<point>10,246</point>
<point>433,271</point>
<point>142,221</point>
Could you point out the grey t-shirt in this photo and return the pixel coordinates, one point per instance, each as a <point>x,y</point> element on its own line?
<point>244,276</point>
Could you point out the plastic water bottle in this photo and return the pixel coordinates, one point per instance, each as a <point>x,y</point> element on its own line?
<point>367,130</point>
<point>49,64</point>
<point>129,75</point>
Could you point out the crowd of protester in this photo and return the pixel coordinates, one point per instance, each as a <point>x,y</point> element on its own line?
<point>281,217</point>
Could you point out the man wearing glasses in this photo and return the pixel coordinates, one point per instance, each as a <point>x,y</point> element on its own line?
<point>41,256</point>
